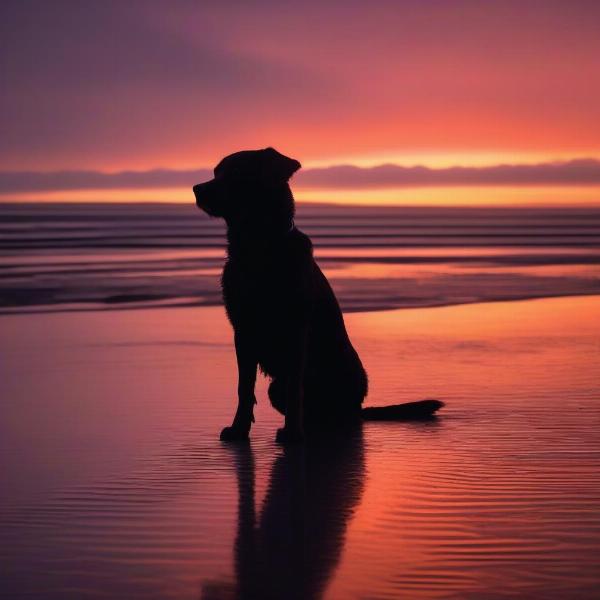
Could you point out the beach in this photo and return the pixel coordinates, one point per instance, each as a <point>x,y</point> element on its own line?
<point>439,163</point>
<point>114,482</point>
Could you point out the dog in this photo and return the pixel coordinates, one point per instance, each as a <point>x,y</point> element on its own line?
<point>285,316</point>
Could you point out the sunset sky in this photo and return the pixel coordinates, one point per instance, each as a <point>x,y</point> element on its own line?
<point>499,101</point>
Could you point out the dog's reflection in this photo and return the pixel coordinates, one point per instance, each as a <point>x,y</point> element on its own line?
<point>292,550</point>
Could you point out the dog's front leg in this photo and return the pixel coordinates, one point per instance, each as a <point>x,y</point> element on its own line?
<point>247,364</point>
<point>293,431</point>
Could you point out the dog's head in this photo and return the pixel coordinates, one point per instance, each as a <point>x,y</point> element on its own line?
<point>246,182</point>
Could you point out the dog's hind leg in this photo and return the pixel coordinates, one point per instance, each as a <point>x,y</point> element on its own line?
<point>277,395</point>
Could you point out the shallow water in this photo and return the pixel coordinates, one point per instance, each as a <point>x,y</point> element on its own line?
<point>114,484</point>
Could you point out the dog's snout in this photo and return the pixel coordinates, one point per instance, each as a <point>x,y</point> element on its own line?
<point>208,197</point>
<point>200,193</point>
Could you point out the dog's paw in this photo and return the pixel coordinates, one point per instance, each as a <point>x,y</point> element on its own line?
<point>232,434</point>
<point>289,436</point>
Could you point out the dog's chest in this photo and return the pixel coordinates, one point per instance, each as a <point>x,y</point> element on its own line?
<point>248,291</point>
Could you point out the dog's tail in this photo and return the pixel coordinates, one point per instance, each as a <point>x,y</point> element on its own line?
<point>410,411</point>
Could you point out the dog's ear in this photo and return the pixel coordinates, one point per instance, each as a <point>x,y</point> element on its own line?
<point>279,167</point>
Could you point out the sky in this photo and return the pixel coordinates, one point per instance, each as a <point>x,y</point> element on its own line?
<point>499,102</point>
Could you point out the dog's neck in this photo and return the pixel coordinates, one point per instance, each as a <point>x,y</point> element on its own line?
<point>250,239</point>
<point>260,232</point>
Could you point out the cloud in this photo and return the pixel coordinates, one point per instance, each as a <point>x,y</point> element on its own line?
<point>93,85</point>
<point>584,172</point>
<point>68,47</point>
<point>32,181</point>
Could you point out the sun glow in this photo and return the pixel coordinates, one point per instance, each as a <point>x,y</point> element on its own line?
<point>422,196</point>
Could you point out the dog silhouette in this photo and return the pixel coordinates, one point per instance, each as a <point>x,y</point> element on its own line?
<point>285,316</point>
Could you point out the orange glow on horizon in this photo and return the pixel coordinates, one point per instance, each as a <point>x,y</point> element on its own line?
<point>422,196</point>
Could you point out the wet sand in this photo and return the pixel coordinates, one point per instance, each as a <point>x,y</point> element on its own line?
<point>113,483</point>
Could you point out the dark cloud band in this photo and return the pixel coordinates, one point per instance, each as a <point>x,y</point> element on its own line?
<point>584,172</point>
<point>574,172</point>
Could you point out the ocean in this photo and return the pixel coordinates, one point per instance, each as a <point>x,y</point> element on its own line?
<point>98,256</point>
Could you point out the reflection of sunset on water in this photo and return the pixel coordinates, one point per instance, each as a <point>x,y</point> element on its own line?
<point>503,487</point>
<point>476,497</point>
